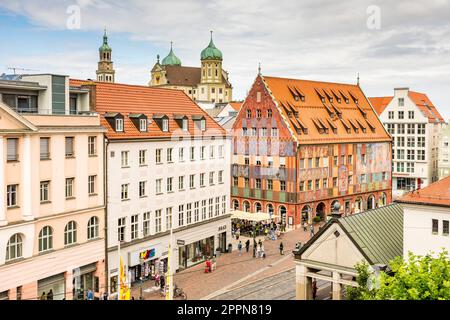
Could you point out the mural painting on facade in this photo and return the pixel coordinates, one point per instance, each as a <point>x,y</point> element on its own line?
<point>343,179</point>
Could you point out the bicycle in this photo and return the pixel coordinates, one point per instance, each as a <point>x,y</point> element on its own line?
<point>177,292</point>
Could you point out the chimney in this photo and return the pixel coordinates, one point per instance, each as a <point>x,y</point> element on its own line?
<point>92,87</point>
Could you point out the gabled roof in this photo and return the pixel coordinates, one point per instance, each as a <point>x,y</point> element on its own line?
<point>153,102</point>
<point>426,106</point>
<point>437,193</point>
<point>312,111</point>
<point>236,105</point>
<point>380,103</point>
<point>377,233</point>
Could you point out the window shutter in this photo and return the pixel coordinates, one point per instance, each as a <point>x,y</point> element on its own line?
<point>44,146</point>
<point>12,149</point>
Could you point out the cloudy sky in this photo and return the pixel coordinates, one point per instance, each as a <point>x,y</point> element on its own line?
<point>390,43</point>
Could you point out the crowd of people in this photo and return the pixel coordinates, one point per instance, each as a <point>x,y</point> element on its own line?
<point>270,229</point>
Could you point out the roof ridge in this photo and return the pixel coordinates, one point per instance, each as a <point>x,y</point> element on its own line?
<point>316,81</point>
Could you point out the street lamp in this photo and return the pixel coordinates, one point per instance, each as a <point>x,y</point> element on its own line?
<point>254,238</point>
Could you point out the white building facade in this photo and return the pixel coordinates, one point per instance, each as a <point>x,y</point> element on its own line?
<point>415,126</point>
<point>444,153</point>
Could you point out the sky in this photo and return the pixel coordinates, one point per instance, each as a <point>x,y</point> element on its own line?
<point>402,43</point>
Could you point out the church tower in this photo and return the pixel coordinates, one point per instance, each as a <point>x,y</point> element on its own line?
<point>105,71</point>
<point>211,59</point>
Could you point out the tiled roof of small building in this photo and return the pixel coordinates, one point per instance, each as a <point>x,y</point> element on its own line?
<point>380,103</point>
<point>437,193</point>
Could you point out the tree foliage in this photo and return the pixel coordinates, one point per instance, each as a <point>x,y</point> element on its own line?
<point>416,278</point>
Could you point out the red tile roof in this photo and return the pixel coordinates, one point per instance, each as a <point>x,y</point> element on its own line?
<point>380,103</point>
<point>426,106</point>
<point>127,99</point>
<point>315,115</point>
<point>236,105</point>
<point>437,193</point>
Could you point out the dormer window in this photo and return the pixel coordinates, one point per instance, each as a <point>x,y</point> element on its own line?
<point>182,120</point>
<point>162,121</point>
<point>200,122</point>
<point>185,124</point>
<point>142,124</point>
<point>119,125</point>
<point>165,125</point>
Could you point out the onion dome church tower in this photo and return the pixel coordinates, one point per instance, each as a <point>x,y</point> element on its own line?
<point>105,70</point>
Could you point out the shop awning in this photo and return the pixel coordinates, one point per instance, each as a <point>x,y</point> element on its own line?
<point>251,216</point>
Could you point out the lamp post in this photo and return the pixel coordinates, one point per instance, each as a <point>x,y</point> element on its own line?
<point>254,238</point>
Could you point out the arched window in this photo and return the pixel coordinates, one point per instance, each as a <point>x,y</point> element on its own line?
<point>14,247</point>
<point>258,207</point>
<point>382,200</point>
<point>359,205</point>
<point>45,239</point>
<point>70,233</point>
<point>371,202</point>
<point>246,206</point>
<point>235,204</point>
<point>92,228</point>
<point>270,209</point>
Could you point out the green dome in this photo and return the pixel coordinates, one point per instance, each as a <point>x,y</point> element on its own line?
<point>211,52</point>
<point>105,46</point>
<point>171,59</point>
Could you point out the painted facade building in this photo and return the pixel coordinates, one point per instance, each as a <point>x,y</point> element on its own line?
<point>51,181</point>
<point>427,219</point>
<point>167,169</point>
<point>299,146</point>
<point>209,83</point>
<point>415,126</point>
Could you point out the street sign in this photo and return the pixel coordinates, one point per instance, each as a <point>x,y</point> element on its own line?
<point>180,242</point>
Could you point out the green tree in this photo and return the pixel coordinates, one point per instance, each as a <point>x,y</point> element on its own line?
<point>417,278</point>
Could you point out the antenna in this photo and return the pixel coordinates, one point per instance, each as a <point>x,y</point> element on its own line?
<point>15,68</point>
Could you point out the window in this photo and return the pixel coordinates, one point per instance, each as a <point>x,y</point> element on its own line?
<point>350,159</point>
<point>45,186</point>
<point>158,186</point>
<point>14,248</point>
<point>302,163</point>
<point>142,124</point>
<point>401,115</point>
<point>258,183</point>
<point>169,184</point>
<point>391,114</point>
<point>310,163</point>
<point>246,182</point>
<point>400,167</point>
<point>410,114</point>
<point>184,125</point>
<point>202,152</point>
<point>12,149</point>
<point>274,132</point>
<point>258,113</point>
<point>350,179</point>
<point>411,142</point>
<point>211,178</point>
<point>45,239</point>
<point>249,113</point>
<point>181,154</point>
<point>421,142</point>
<point>181,183</point>
<point>202,179</point>
<point>410,154</point>
<point>146,224</point>
<point>45,148</point>
<point>217,211</point>
<point>309,185</point>
<point>165,125</point>
<point>189,213</point>
<point>181,215</point>
<point>244,132</point>
<point>445,227</point>
<point>325,183</point>
<point>221,154</point>
<point>400,154</point>
<point>69,187</point>
<point>302,186</point>
<point>69,146</point>
<point>196,211</point>
<point>92,146</point>
<point>11,195</point>
<point>91,185</point>
<point>210,208</point>
<point>235,181</point>
<point>142,189</point>
<point>254,132</point>
<point>220,176</point>
<point>400,141</point>
<point>335,160</point>
<point>124,192</point>
<point>203,209</point>
<point>158,156</point>
<point>169,155</point>
<point>434,226</point>
<point>92,228</point>
<point>211,152</point>
<point>119,125</point>
<point>342,160</point>
<point>317,184</point>
<point>121,229</point>
<point>421,155</point>
<point>421,128</point>
<point>335,181</point>
<point>391,128</point>
<point>247,161</point>
<point>317,164</point>
<point>363,158</point>
<point>142,157</point>
<point>134,226</point>
<point>401,102</point>
<point>401,128</point>
<point>269,113</point>
<point>158,218</point>
<point>224,204</point>
<point>192,181</point>
<point>192,155</point>
<point>124,159</point>
<point>410,167</point>
<point>282,185</point>
<point>411,128</point>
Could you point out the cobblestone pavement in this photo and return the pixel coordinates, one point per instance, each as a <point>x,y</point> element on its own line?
<point>233,270</point>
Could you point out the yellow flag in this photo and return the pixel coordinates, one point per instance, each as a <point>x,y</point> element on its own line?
<point>124,290</point>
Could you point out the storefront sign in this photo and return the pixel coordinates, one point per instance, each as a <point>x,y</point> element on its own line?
<point>180,242</point>
<point>147,254</point>
<point>143,255</point>
<point>224,227</point>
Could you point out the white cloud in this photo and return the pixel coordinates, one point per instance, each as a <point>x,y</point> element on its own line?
<point>325,40</point>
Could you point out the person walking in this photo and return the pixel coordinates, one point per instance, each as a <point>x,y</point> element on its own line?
<point>314,289</point>
<point>90,295</point>
<point>263,252</point>
<point>50,295</point>
<point>43,297</point>
<point>311,231</point>
<point>247,245</point>
<point>240,247</point>
<point>281,248</point>
<point>305,226</point>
